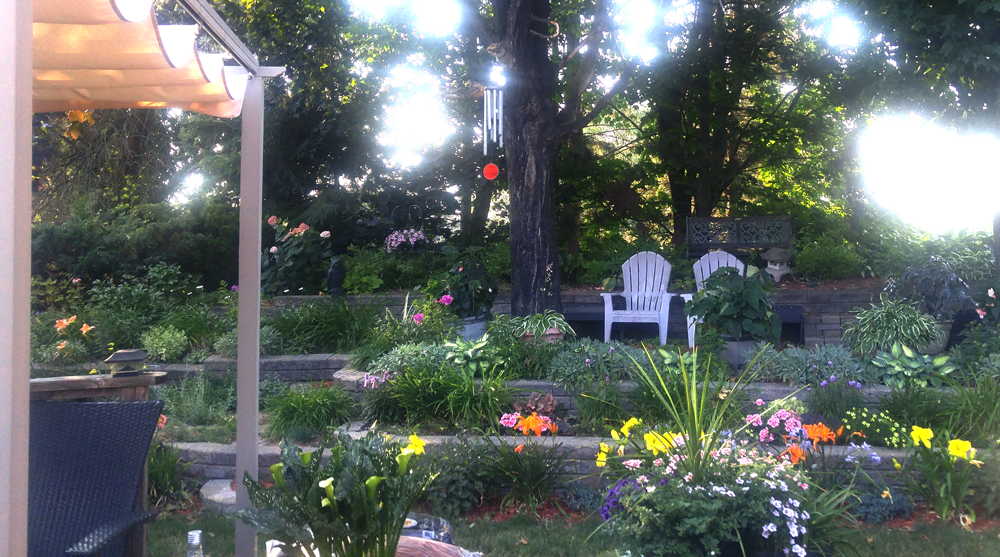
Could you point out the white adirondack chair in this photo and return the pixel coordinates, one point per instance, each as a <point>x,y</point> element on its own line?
<point>647,276</point>
<point>703,268</point>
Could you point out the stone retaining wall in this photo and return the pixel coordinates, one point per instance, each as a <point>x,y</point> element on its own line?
<point>825,309</point>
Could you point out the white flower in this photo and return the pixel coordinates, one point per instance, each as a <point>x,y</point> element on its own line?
<point>274,249</point>
<point>324,234</point>
<point>650,489</point>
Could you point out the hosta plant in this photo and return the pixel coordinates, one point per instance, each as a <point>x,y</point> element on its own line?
<point>352,506</point>
<point>896,321</point>
<point>903,365</point>
<point>737,305</point>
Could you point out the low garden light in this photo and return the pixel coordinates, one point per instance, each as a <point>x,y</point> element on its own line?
<point>126,363</point>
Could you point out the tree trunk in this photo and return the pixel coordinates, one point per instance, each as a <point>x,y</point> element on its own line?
<point>531,142</point>
<point>480,213</point>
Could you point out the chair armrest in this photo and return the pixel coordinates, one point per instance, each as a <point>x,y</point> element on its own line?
<point>93,542</point>
<point>608,306</point>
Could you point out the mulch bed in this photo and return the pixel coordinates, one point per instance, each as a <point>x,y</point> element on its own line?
<point>553,509</point>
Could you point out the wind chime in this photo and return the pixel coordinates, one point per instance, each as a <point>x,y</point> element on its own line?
<point>492,118</point>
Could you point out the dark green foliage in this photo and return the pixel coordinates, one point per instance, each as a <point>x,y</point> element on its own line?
<point>531,474</point>
<point>463,476</point>
<point>164,473</point>
<point>896,321</point>
<point>601,407</point>
<point>911,405</point>
<point>738,305</point>
<point>298,262</point>
<point>832,398</point>
<point>380,405</point>
<point>801,366</point>
<point>438,325</point>
<point>935,288</point>
<point>201,399</point>
<point>986,482</point>
<point>354,505</point>
<point>328,327</point>
<point>471,287</point>
<point>975,413</point>
<point>199,321</point>
<point>200,237</point>
<point>981,340</point>
<point>830,257</point>
<point>314,409</point>
<point>269,388</point>
<point>411,356</point>
<point>428,394</point>
<point>522,360</point>
<point>164,344</point>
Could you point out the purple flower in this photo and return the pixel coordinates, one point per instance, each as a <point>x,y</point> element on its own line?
<point>852,383</point>
<point>829,363</point>
<point>587,361</point>
<point>235,288</point>
<point>612,349</point>
<point>833,378</point>
<point>822,384</point>
<point>858,385</point>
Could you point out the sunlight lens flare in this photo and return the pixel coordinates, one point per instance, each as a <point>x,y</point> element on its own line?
<point>635,19</point>
<point>438,18</point>
<point>931,177</point>
<point>415,118</point>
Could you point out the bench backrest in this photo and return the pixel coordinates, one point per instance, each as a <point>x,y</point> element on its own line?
<point>738,233</point>
<point>712,262</point>
<point>646,272</point>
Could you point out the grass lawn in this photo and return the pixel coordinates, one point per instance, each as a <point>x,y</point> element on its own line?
<point>524,537</point>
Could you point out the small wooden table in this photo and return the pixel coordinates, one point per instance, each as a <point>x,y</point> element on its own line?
<point>77,387</point>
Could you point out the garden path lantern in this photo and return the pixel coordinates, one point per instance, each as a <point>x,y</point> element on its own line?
<point>126,363</point>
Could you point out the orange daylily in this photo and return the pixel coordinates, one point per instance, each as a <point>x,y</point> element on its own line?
<point>840,431</point>
<point>530,423</point>
<point>86,328</point>
<point>63,323</point>
<point>795,453</point>
<point>820,433</point>
<point>61,345</point>
<point>519,448</point>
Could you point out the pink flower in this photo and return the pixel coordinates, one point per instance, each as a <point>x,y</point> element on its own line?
<point>990,293</point>
<point>981,312</point>
<point>324,234</point>
<point>78,279</point>
<point>274,249</point>
<point>418,318</point>
<point>446,300</point>
<point>632,463</point>
<point>759,402</point>
<point>235,288</point>
<point>272,220</point>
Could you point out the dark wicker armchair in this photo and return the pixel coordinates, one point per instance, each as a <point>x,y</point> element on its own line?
<point>86,460</point>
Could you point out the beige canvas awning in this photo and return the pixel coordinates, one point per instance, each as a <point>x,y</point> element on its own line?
<point>113,54</point>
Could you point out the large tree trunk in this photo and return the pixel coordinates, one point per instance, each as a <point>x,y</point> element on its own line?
<point>531,142</point>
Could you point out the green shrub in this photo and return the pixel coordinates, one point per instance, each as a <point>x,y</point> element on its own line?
<point>829,257</point>
<point>429,394</point>
<point>464,476</point>
<point>975,414</point>
<point>363,270</point>
<point>322,328</point>
<point>581,363</point>
<point>601,405</point>
<point>379,404</point>
<point>802,366</point>
<point>981,340</point>
<point>270,387</point>
<point>125,311</point>
<point>420,355</point>
<point>199,321</point>
<point>165,344</point>
<point>313,409</point>
<point>896,321</point>
<point>737,305</point>
<point>165,475</point>
<point>298,262</point>
<point>834,397</point>
<point>902,365</point>
<point>198,400</point>
<point>522,360</point>
<point>910,405</point>
<point>437,324</point>
<point>270,342</point>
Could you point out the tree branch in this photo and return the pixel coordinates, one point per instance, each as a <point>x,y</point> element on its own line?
<point>602,103</point>
<point>476,24</point>
<point>585,73</point>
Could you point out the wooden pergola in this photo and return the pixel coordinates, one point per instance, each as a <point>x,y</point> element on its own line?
<point>50,62</point>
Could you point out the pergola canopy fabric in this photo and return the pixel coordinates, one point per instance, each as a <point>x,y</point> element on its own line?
<point>92,54</point>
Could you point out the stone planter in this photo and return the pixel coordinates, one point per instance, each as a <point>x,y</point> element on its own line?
<point>472,328</point>
<point>736,351</point>
<point>944,327</point>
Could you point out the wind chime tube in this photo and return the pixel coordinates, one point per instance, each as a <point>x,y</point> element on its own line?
<point>486,122</point>
<point>500,117</point>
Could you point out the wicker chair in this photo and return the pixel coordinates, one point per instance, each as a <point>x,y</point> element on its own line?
<point>86,460</point>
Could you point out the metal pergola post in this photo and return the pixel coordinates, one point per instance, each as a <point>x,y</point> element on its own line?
<point>15,273</point>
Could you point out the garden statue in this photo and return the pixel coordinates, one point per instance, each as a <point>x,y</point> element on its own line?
<point>335,277</point>
<point>777,262</point>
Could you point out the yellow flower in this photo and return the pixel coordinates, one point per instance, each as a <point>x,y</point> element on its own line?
<point>615,436</point>
<point>632,422</point>
<point>922,435</point>
<point>602,459</point>
<point>654,442</point>
<point>605,448</point>
<point>886,494</point>
<point>416,446</point>
<point>897,464</point>
<point>961,449</point>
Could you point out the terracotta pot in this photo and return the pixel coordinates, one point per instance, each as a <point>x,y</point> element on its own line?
<point>552,335</point>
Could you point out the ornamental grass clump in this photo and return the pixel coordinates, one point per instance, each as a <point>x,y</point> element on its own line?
<point>352,506</point>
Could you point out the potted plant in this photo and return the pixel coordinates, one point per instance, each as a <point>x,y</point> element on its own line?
<point>938,292</point>
<point>739,307</point>
<point>548,326</point>
<point>352,505</point>
<point>469,291</point>
<point>896,321</point>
